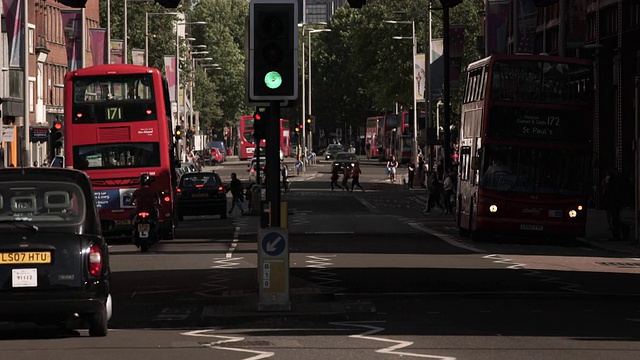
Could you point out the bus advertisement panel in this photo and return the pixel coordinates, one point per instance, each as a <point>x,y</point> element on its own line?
<point>525,147</point>
<point>118,126</point>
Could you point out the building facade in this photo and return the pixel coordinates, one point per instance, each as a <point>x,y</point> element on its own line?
<point>50,44</point>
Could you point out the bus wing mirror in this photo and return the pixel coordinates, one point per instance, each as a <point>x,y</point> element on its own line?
<point>475,163</point>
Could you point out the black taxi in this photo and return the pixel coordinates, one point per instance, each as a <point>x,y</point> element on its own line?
<point>54,262</point>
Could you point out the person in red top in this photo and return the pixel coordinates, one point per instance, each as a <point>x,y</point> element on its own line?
<point>145,199</point>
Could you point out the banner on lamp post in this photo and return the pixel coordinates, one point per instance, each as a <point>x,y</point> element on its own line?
<point>420,76</point>
<point>13,15</point>
<point>73,30</point>
<point>137,56</point>
<point>98,42</point>
<point>170,74</point>
<point>117,52</point>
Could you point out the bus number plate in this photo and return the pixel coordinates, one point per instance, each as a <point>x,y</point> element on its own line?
<point>531,227</point>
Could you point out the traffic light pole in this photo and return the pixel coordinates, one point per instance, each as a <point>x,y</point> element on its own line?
<point>272,168</point>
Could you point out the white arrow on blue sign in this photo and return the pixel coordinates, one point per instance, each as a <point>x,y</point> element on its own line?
<point>273,244</point>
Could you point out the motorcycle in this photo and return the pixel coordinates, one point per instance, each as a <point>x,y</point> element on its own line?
<point>145,230</point>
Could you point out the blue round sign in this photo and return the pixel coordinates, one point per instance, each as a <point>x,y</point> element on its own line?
<point>273,244</point>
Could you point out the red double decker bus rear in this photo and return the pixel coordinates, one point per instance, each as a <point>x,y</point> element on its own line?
<point>118,126</point>
<point>525,146</point>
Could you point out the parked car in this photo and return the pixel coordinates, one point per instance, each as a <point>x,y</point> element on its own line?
<point>332,150</point>
<point>253,167</point>
<point>216,157</point>
<point>220,146</point>
<point>188,167</point>
<point>201,193</point>
<point>54,261</point>
<point>344,159</point>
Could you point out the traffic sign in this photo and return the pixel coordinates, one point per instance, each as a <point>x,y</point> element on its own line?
<point>273,244</point>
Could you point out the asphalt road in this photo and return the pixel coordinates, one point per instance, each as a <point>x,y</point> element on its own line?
<point>370,278</point>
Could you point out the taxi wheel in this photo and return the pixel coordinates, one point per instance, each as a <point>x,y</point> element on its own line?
<point>223,215</point>
<point>98,323</point>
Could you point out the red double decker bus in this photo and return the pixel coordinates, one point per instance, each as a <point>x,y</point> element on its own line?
<point>118,126</point>
<point>390,136</point>
<point>404,142</point>
<point>373,138</point>
<point>248,141</point>
<point>525,147</point>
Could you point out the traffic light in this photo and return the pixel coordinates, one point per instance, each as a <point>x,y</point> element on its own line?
<point>261,123</point>
<point>56,137</point>
<point>273,50</point>
<point>73,3</point>
<point>171,4</point>
<point>178,132</point>
<point>311,123</point>
<point>213,130</point>
<point>356,4</point>
<point>450,3</point>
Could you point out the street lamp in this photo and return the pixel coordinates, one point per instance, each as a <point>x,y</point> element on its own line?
<point>310,140</point>
<point>126,27</point>
<point>193,67</point>
<point>414,148</point>
<point>146,34</point>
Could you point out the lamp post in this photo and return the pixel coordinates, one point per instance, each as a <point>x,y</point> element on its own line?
<point>177,95</point>
<point>146,33</point>
<point>310,140</point>
<point>193,68</point>
<point>414,148</point>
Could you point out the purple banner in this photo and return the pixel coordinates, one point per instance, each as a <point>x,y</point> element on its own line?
<point>456,35</point>
<point>497,26</point>
<point>98,41</point>
<point>73,30</point>
<point>527,18</point>
<point>170,73</point>
<point>13,16</point>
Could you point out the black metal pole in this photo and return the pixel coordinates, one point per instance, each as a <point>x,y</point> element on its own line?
<point>272,167</point>
<point>446,95</point>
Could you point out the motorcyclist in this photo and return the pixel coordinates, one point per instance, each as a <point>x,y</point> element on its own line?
<point>145,199</point>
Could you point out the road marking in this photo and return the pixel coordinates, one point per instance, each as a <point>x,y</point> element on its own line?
<point>446,238</point>
<point>234,243</point>
<point>229,339</point>
<point>367,204</point>
<point>390,349</point>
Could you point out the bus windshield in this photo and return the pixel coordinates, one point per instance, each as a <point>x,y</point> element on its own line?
<point>534,170</point>
<point>116,156</point>
<point>541,82</point>
<point>109,99</point>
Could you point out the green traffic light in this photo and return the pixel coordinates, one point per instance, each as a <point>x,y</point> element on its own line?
<point>273,80</point>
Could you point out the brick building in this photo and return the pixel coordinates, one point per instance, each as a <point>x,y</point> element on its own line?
<point>47,66</point>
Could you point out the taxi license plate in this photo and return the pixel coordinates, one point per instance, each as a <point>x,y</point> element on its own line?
<point>123,222</point>
<point>531,227</point>
<point>29,257</point>
<point>200,195</point>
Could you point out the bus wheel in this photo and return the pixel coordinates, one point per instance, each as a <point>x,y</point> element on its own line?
<point>477,236</point>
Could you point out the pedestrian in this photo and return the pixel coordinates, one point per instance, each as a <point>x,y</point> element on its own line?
<point>421,172</point>
<point>355,177</point>
<point>392,166</point>
<point>248,195</point>
<point>612,199</point>
<point>334,178</point>
<point>284,172</point>
<point>346,174</point>
<point>448,191</point>
<point>411,172</point>
<point>435,192</point>
<point>236,188</point>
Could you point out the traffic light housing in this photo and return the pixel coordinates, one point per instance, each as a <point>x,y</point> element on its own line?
<point>73,3</point>
<point>56,136</point>
<point>273,50</point>
<point>179,132</point>
<point>356,4</point>
<point>450,3</point>
<point>311,123</point>
<point>261,123</point>
<point>171,4</point>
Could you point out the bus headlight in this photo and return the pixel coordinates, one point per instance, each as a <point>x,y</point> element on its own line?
<point>493,208</point>
<point>573,213</point>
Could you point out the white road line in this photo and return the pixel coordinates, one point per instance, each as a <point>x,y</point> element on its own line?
<point>234,243</point>
<point>228,339</point>
<point>446,238</point>
<point>387,350</point>
<point>367,204</point>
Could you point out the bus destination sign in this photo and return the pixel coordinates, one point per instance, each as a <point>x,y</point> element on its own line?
<point>538,124</point>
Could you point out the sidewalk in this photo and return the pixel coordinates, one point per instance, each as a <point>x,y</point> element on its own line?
<point>599,235</point>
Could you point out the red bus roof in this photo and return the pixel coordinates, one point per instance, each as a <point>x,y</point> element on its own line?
<point>111,69</point>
